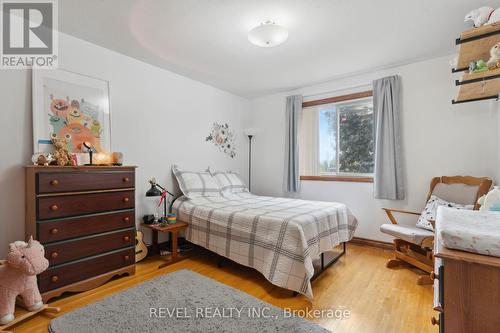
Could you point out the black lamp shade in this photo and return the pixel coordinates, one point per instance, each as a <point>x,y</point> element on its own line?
<point>154,191</point>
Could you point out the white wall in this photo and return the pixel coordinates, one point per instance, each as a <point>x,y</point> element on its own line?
<point>158,118</point>
<point>439,139</point>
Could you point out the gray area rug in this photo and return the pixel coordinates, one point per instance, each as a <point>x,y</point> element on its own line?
<point>182,301</point>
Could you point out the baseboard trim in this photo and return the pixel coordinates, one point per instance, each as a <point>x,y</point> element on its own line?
<point>372,243</point>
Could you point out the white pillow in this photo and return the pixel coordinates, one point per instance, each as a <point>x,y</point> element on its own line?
<point>430,210</point>
<point>229,181</point>
<point>196,184</point>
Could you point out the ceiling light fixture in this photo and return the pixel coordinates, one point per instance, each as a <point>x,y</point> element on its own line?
<point>268,34</point>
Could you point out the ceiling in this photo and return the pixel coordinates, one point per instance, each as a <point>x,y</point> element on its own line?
<point>206,40</point>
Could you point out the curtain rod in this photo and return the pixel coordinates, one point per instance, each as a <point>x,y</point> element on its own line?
<point>338,90</point>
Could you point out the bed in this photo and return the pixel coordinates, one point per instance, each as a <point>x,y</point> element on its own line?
<point>279,237</point>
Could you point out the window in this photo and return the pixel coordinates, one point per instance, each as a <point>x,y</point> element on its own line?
<point>337,137</point>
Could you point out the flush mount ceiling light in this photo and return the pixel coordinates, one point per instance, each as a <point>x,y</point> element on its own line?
<point>268,34</point>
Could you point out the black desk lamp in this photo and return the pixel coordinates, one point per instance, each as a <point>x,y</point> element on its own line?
<point>88,147</point>
<point>154,191</point>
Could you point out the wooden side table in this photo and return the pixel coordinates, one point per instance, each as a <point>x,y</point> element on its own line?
<point>173,229</point>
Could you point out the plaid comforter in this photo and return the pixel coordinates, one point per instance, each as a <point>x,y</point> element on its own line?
<point>279,237</point>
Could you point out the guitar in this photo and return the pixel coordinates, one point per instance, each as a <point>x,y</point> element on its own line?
<point>141,250</point>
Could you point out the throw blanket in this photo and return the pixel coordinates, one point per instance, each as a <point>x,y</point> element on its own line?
<point>279,237</point>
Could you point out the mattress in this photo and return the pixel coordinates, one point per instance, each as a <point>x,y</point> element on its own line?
<point>471,231</point>
<point>279,237</point>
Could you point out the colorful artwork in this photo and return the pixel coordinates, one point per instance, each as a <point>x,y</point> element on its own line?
<point>73,117</point>
<point>73,107</point>
<point>69,120</point>
<point>223,138</point>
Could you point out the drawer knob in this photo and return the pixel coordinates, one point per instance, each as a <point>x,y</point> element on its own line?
<point>126,258</point>
<point>125,200</point>
<point>54,182</point>
<point>126,238</point>
<point>54,255</point>
<point>434,275</point>
<point>126,179</point>
<point>54,278</point>
<point>54,208</point>
<point>126,219</point>
<point>434,321</point>
<point>54,231</point>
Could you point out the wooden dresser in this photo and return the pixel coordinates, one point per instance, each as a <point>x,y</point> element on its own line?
<point>466,291</point>
<point>85,218</point>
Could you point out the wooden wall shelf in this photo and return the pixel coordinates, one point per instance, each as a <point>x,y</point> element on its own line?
<point>478,77</point>
<point>475,99</point>
<point>478,86</point>
<point>478,33</point>
<point>478,90</point>
<point>475,44</point>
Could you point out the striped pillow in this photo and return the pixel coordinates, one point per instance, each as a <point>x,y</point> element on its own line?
<point>196,184</point>
<point>230,182</point>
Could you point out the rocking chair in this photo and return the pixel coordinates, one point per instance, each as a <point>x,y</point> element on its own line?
<point>413,245</point>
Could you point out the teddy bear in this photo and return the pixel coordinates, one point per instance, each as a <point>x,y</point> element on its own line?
<point>42,159</point>
<point>482,16</point>
<point>18,277</point>
<point>494,60</point>
<point>61,155</point>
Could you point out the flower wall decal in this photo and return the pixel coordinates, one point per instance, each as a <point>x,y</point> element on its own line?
<point>223,138</point>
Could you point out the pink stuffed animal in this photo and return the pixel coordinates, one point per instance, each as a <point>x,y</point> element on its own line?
<point>18,277</point>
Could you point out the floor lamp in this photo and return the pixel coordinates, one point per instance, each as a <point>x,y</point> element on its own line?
<point>250,132</point>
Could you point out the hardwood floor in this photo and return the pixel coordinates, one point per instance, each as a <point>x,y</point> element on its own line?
<point>379,299</point>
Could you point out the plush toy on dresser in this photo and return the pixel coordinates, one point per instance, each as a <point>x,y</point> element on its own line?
<point>18,277</point>
<point>61,155</point>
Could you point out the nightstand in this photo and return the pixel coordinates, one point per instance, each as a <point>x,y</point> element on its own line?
<point>173,229</point>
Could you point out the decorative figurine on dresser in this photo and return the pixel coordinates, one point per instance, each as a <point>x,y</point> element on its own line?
<point>85,218</point>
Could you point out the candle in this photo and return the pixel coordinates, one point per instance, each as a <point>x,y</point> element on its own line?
<point>117,158</point>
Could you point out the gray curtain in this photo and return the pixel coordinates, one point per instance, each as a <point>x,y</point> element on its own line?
<point>293,111</point>
<point>388,183</point>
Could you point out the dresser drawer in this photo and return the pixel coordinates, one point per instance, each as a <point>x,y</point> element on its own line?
<point>83,226</point>
<point>54,182</point>
<point>66,274</point>
<point>72,205</point>
<point>61,252</point>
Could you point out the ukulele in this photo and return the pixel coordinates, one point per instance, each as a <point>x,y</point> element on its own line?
<point>141,250</point>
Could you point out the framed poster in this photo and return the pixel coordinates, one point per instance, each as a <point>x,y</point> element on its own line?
<point>71,106</point>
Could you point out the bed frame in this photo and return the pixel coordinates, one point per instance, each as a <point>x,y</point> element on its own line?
<point>324,265</point>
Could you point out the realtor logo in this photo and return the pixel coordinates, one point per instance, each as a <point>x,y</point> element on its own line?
<point>29,34</point>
